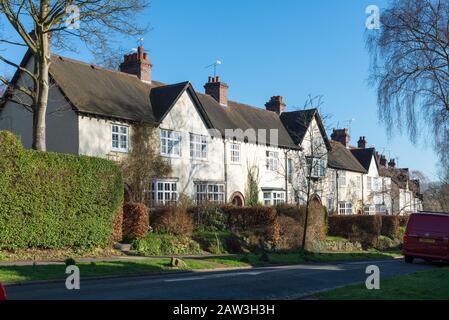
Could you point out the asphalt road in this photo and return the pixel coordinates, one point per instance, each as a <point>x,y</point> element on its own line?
<point>292,282</point>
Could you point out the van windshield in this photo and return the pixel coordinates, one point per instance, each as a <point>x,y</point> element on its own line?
<point>429,223</point>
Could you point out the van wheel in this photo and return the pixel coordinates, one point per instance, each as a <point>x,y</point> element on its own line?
<point>408,259</point>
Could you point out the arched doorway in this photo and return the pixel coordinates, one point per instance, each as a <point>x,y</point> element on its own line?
<point>237,199</point>
<point>316,199</point>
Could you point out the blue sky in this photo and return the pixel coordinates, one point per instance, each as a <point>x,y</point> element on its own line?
<point>291,48</point>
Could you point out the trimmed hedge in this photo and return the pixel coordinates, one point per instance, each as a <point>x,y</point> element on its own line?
<point>209,218</point>
<point>363,229</point>
<point>55,201</point>
<point>136,221</point>
<point>172,219</point>
<point>317,224</point>
<point>261,222</point>
<point>291,233</point>
<point>155,244</point>
<point>390,226</point>
<point>117,234</point>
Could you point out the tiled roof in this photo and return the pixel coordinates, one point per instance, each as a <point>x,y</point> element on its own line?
<point>342,159</point>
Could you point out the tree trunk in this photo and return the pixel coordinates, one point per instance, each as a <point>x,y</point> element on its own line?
<point>43,64</point>
<point>306,222</point>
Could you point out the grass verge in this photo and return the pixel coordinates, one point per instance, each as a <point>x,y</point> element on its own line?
<point>423,285</point>
<point>17,274</point>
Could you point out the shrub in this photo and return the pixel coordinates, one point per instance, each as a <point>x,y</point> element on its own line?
<point>363,229</point>
<point>403,220</point>
<point>209,218</point>
<point>136,221</point>
<point>260,223</point>
<point>291,233</point>
<point>172,219</point>
<point>390,226</point>
<point>55,201</point>
<point>219,242</point>
<point>157,244</point>
<point>316,228</point>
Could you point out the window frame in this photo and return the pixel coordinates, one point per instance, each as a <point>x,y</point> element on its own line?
<point>164,196</point>
<point>369,210</point>
<point>211,192</point>
<point>165,143</point>
<point>342,181</point>
<point>272,158</point>
<point>119,135</point>
<point>235,153</point>
<point>274,198</point>
<point>318,167</point>
<point>199,145</point>
<point>345,208</point>
<point>369,184</point>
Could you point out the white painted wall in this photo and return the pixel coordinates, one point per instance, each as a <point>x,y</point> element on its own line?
<point>62,121</point>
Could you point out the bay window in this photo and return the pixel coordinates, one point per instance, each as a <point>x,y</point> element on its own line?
<point>207,192</point>
<point>164,192</point>
<point>273,198</point>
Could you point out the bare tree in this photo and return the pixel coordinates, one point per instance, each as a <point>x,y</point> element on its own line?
<point>311,163</point>
<point>144,162</point>
<point>39,24</point>
<point>410,68</point>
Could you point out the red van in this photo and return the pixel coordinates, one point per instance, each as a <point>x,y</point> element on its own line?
<point>2,292</point>
<point>427,237</point>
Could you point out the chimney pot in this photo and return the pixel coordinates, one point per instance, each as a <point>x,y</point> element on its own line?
<point>138,64</point>
<point>276,104</point>
<point>342,136</point>
<point>218,90</point>
<point>362,143</point>
<point>392,163</point>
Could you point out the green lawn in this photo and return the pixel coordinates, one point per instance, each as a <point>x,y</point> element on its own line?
<point>424,285</point>
<point>9,274</point>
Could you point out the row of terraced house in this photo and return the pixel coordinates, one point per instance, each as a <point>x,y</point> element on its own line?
<point>213,143</point>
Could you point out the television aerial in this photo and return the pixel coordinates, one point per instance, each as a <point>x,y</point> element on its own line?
<point>214,65</point>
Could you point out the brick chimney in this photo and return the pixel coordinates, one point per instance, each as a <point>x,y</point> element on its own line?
<point>392,163</point>
<point>383,161</point>
<point>137,64</point>
<point>218,90</point>
<point>362,143</point>
<point>342,136</point>
<point>276,104</point>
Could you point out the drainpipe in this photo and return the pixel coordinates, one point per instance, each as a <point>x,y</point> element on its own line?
<point>225,169</point>
<point>363,195</point>
<point>286,176</point>
<point>337,189</point>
